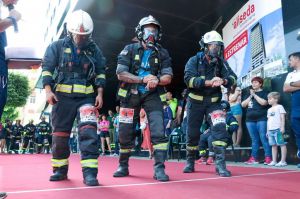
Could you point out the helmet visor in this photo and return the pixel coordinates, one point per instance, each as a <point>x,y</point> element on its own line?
<point>150,34</point>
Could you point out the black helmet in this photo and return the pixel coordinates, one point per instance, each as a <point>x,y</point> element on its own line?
<point>146,21</point>
<point>225,105</point>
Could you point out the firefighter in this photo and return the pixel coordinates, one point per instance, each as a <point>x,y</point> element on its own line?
<point>8,129</point>
<point>206,138</point>
<point>28,135</point>
<point>204,75</point>
<point>16,136</point>
<point>143,69</point>
<point>78,89</point>
<point>44,136</point>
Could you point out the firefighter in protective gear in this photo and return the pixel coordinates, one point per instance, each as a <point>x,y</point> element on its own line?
<point>206,138</point>
<point>77,89</point>
<point>143,69</point>
<point>204,75</point>
<point>44,138</point>
<point>28,135</point>
<point>16,137</point>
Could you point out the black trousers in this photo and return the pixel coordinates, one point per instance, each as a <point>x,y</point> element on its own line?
<point>154,109</point>
<point>64,113</point>
<point>196,110</point>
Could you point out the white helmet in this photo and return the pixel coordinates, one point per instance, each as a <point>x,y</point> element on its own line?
<point>80,23</point>
<point>212,37</point>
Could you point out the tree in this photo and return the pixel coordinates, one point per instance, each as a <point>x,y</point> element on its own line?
<point>18,92</point>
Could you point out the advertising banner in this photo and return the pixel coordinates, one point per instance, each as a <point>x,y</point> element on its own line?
<point>254,41</point>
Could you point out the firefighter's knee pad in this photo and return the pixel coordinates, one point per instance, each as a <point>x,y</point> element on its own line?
<point>88,115</point>
<point>60,147</point>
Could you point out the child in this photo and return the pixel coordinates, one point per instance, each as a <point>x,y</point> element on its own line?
<point>206,141</point>
<point>276,122</point>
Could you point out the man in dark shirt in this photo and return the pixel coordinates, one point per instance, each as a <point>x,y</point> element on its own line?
<point>204,75</point>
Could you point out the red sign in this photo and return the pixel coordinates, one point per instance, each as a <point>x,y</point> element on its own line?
<point>236,45</point>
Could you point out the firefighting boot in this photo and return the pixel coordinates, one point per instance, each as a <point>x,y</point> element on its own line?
<point>220,162</point>
<point>59,173</point>
<point>159,167</point>
<point>90,176</point>
<point>122,170</point>
<point>190,161</point>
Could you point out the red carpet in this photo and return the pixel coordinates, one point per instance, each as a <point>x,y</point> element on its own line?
<point>26,177</point>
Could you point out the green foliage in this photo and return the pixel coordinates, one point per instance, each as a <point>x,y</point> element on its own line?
<point>18,92</point>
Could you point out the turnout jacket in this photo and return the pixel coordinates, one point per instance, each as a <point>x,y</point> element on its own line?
<point>71,71</point>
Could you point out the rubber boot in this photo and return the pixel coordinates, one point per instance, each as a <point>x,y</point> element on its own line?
<point>190,161</point>
<point>59,173</point>
<point>159,166</point>
<point>122,170</point>
<point>90,176</point>
<point>220,162</point>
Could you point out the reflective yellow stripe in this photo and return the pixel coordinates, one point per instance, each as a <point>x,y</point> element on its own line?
<point>219,143</point>
<point>191,82</point>
<point>232,123</point>
<point>122,92</point>
<point>192,148</point>
<point>79,88</point>
<point>46,73</point>
<point>59,163</point>
<point>125,150</point>
<point>137,57</point>
<point>89,89</point>
<point>202,152</point>
<point>67,50</point>
<point>83,89</point>
<point>202,77</point>
<point>64,88</point>
<point>163,97</point>
<point>156,61</point>
<point>101,76</point>
<point>89,163</point>
<point>162,146</point>
<point>233,78</point>
<point>214,99</point>
<point>196,97</point>
<point>200,98</point>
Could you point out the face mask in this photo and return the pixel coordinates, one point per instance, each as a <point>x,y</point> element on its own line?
<point>214,50</point>
<point>150,36</point>
<point>81,41</point>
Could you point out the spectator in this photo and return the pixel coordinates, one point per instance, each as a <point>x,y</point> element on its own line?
<point>256,120</point>
<point>236,110</point>
<point>116,134</point>
<point>2,138</point>
<point>11,20</point>
<point>167,118</point>
<point>146,144</point>
<point>172,103</point>
<point>292,85</point>
<point>111,118</point>
<point>104,134</point>
<point>276,123</point>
